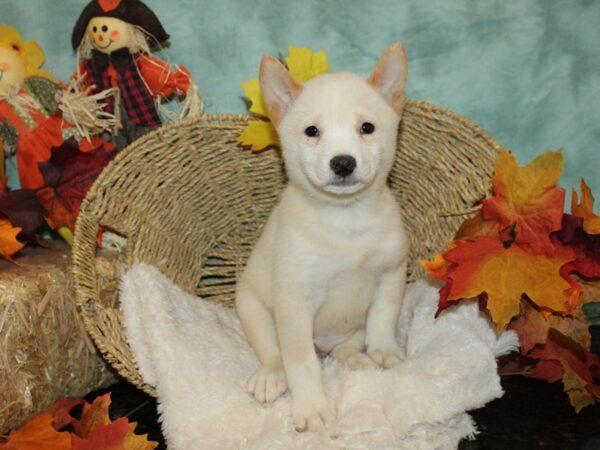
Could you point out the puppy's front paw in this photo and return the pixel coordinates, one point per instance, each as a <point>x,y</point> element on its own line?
<point>312,414</point>
<point>386,357</point>
<point>267,384</point>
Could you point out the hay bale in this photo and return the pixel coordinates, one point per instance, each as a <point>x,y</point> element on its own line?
<point>45,352</point>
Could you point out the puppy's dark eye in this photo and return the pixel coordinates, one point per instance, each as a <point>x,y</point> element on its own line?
<point>104,28</point>
<point>367,128</point>
<point>312,131</point>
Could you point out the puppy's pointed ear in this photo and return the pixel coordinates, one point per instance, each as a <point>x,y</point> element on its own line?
<point>389,76</point>
<point>279,89</point>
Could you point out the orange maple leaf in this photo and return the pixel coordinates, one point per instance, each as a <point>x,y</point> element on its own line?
<point>533,327</point>
<point>134,441</point>
<point>116,435</point>
<point>61,412</point>
<point>8,239</point>
<point>527,203</point>
<point>38,434</point>
<point>561,343</point>
<point>484,266</point>
<point>477,226</point>
<point>92,415</point>
<point>94,431</point>
<point>586,247</point>
<point>584,209</point>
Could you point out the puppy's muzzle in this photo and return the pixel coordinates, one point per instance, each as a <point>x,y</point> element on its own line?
<point>342,165</point>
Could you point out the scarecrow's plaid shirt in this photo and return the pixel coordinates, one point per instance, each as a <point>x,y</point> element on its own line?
<point>125,71</point>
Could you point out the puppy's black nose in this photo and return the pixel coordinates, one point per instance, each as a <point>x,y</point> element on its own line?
<point>343,165</point>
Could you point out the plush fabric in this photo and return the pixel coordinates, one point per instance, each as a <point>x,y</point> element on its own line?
<point>194,352</point>
<point>527,71</point>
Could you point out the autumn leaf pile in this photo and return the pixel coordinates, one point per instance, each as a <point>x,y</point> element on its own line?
<point>57,428</point>
<point>532,267</point>
<point>68,175</point>
<point>303,65</point>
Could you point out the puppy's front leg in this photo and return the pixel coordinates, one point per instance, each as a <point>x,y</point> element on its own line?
<point>382,319</point>
<point>310,407</point>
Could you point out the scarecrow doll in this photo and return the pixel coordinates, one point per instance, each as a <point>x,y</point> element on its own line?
<point>113,40</point>
<point>32,112</point>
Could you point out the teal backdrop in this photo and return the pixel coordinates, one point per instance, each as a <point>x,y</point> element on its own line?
<point>528,71</point>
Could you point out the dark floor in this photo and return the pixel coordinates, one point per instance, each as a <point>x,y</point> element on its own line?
<point>532,415</point>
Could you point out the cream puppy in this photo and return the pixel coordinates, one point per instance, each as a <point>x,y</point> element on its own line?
<point>330,266</point>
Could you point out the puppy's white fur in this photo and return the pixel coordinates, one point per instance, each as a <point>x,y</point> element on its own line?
<point>330,266</point>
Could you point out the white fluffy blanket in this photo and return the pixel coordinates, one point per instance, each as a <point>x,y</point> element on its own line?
<point>194,352</point>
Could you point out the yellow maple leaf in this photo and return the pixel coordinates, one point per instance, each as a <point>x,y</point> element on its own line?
<point>585,209</point>
<point>530,181</point>
<point>253,93</point>
<point>259,134</point>
<point>303,65</point>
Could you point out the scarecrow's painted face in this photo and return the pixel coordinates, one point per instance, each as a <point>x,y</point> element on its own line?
<point>108,34</point>
<point>12,67</point>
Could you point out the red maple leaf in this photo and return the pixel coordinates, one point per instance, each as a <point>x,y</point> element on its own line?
<point>68,175</point>
<point>107,436</point>
<point>485,266</point>
<point>520,255</point>
<point>563,358</point>
<point>533,326</point>
<point>586,246</point>
<point>114,435</point>
<point>24,210</point>
<point>527,204</point>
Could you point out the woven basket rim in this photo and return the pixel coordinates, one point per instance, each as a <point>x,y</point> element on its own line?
<point>211,119</point>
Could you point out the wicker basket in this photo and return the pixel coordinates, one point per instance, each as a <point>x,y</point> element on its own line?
<point>192,202</point>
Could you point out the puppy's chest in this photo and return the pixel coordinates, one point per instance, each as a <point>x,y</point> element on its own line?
<point>355,255</point>
<point>350,258</point>
<point>344,281</point>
